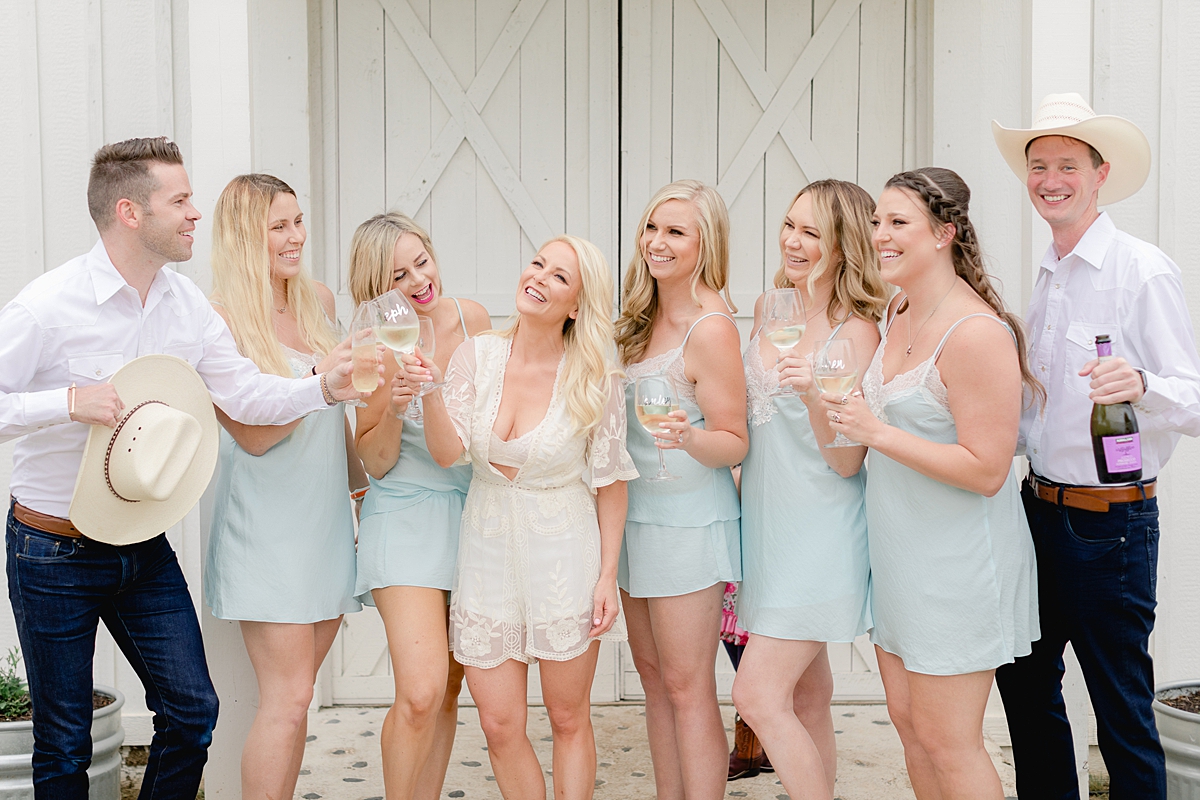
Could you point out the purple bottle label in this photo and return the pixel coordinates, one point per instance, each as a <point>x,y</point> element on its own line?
<point>1122,453</point>
<point>1104,349</point>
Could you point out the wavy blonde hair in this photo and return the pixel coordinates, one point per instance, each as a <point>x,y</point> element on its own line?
<point>589,367</point>
<point>373,253</point>
<point>241,266</point>
<point>843,212</point>
<point>640,296</point>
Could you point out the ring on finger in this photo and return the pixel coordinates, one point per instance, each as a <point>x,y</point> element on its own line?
<point>845,399</point>
<point>837,417</point>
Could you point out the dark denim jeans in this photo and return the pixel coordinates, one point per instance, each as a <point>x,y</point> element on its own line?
<point>1096,582</point>
<point>60,588</point>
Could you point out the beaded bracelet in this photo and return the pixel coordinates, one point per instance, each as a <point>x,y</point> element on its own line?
<point>325,393</point>
<point>359,494</point>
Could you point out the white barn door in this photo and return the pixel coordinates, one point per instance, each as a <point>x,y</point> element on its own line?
<point>493,124</point>
<point>758,98</point>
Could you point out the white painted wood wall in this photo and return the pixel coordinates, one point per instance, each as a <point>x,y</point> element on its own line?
<point>253,84</point>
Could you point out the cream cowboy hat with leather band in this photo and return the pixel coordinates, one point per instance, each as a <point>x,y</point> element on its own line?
<point>1118,141</point>
<point>143,476</point>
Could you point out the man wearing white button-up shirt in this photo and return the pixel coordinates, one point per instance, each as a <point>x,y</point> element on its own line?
<point>1097,545</point>
<point>61,338</point>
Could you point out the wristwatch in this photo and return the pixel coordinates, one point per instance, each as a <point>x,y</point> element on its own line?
<point>1145,386</point>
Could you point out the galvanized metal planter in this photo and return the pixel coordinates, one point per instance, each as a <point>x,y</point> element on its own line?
<point>1180,735</point>
<point>104,775</point>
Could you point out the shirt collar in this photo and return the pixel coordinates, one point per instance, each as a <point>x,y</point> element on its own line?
<point>1091,247</point>
<point>107,281</point>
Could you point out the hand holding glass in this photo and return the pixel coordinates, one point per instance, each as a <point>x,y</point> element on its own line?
<point>783,324</point>
<point>655,398</point>
<point>363,355</point>
<point>835,371</point>
<point>428,345</point>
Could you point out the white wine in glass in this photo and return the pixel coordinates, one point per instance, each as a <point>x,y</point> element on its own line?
<point>783,324</point>
<point>397,325</point>
<point>364,358</point>
<point>428,345</point>
<point>835,371</point>
<point>654,399</point>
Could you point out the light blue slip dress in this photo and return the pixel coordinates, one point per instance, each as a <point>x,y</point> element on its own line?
<point>805,566</point>
<point>953,576</point>
<point>409,522</point>
<point>680,536</point>
<point>281,547</point>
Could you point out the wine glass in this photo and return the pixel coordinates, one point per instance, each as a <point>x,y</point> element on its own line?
<point>783,324</point>
<point>363,356</point>
<point>428,346</point>
<point>835,370</point>
<point>396,324</point>
<point>655,398</point>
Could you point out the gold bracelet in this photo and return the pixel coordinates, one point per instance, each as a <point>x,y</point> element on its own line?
<point>325,393</point>
<point>71,400</point>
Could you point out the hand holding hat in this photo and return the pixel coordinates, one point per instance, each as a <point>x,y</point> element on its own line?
<point>142,476</point>
<point>97,404</point>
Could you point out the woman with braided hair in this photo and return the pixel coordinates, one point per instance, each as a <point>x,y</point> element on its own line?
<point>954,592</point>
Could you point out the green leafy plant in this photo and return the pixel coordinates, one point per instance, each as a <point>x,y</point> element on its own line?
<point>14,695</point>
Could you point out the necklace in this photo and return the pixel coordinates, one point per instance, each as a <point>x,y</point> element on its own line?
<point>908,352</point>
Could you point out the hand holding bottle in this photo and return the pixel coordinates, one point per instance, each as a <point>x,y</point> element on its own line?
<point>1113,381</point>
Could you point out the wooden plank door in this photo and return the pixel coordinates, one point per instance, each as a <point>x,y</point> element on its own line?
<point>493,124</point>
<point>758,98</point>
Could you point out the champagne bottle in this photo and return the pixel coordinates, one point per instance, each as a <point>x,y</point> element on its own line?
<point>1116,444</point>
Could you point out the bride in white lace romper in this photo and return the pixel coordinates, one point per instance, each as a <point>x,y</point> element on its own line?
<point>545,511</point>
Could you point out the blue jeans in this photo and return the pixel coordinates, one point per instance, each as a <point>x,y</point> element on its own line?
<point>60,588</point>
<point>1096,582</point>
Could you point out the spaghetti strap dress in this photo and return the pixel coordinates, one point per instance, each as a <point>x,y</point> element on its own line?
<point>408,525</point>
<point>953,576</point>
<point>805,566</point>
<point>281,545</point>
<point>683,535</point>
<point>529,547</point>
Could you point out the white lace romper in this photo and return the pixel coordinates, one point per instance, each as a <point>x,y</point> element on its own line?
<point>529,548</point>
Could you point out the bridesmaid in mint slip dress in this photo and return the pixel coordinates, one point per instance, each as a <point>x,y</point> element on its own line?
<point>681,536</point>
<point>408,526</point>
<point>805,568</point>
<point>281,548</point>
<point>953,591</point>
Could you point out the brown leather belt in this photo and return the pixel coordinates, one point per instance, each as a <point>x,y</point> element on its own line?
<point>1090,498</point>
<point>45,522</point>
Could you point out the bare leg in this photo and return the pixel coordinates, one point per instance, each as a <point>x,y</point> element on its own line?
<point>500,694</point>
<point>324,633</point>
<point>433,775</point>
<point>566,691</point>
<point>660,715</point>
<point>415,620</point>
<point>764,693</point>
<point>940,722</point>
<point>683,634</point>
<point>811,702</point>
<point>282,655</point>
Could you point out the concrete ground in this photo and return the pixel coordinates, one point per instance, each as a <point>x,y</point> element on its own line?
<point>342,759</point>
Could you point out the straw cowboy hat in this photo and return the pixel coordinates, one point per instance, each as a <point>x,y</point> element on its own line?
<point>144,475</point>
<point>1119,142</point>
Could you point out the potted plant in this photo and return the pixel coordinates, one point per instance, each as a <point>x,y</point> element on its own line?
<point>1177,712</point>
<point>16,738</point>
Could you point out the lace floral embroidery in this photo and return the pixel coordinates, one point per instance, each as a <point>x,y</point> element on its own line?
<point>760,382</point>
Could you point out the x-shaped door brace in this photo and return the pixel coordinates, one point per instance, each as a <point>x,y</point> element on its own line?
<point>778,104</point>
<point>464,107</point>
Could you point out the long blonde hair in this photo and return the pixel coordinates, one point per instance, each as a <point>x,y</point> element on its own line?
<point>843,212</point>
<point>640,296</point>
<point>372,254</point>
<point>587,339</point>
<point>241,266</point>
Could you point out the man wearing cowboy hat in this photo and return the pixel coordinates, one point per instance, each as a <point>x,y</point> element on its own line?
<point>1097,545</point>
<point>109,366</point>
